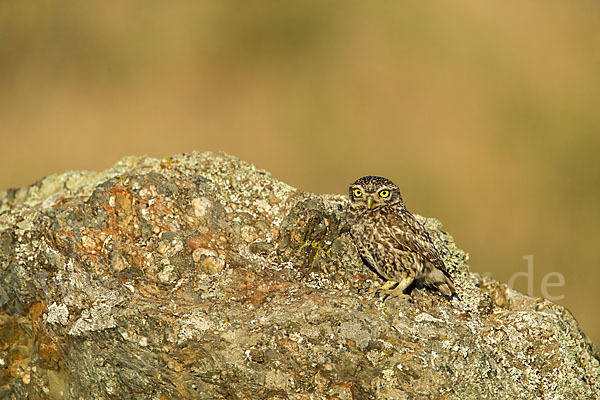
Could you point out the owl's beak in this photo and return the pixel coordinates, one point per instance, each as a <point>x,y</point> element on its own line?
<point>370,202</point>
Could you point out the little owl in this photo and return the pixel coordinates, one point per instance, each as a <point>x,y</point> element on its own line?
<point>391,240</point>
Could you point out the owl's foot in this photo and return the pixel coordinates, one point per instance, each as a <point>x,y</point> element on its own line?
<point>390,289</point>
<point>394,293</point>
<point>386,286</point>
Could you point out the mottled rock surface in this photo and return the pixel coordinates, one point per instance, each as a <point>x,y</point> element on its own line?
<point>199,276</point>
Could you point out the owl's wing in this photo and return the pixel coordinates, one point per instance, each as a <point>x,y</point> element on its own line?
<point>411,235</point>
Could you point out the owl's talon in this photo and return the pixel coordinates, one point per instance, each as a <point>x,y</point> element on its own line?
<point>384,294</point>
<point>395,294</point>
<point>376,291</point>
<point>372,291</point>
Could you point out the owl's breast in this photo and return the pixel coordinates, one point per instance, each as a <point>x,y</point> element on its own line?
<point>370,239</point>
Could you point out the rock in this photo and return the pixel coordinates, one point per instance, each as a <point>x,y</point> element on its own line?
<point>200,276</point>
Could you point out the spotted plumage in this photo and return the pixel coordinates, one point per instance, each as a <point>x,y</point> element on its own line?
<point>391,240</point>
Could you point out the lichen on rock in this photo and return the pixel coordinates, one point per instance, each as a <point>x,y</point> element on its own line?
<point>200,276</point>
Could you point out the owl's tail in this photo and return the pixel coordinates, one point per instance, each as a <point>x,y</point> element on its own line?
<point>440,281</point>
<point>446,287</point>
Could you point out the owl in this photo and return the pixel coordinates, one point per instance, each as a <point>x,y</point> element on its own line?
<point>391,240</point>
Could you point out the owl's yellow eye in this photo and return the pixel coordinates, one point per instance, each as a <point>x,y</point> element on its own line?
<point>357,192</point>
<point>384,193</point>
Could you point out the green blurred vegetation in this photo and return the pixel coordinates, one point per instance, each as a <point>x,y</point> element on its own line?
<point>486,114</point>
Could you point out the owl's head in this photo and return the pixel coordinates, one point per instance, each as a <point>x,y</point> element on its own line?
<point>372,192</point>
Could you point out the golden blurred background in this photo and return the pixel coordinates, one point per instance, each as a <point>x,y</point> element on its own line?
<point>486,114</point>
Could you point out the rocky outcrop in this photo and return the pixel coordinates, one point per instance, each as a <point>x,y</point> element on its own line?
<point>199,276</point>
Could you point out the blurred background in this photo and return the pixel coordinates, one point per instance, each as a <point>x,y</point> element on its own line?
<point>486,114</point>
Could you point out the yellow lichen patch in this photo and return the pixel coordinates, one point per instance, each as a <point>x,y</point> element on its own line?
<point>167,162</point>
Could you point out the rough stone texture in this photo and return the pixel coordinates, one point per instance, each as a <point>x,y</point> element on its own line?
<point>199,276</point>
